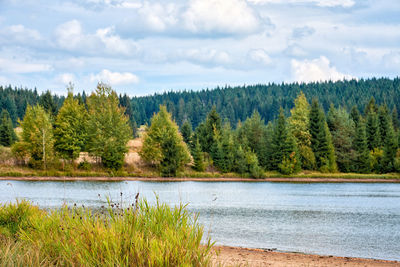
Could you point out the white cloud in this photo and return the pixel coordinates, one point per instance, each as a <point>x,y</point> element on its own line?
<point>70,36</point>
<point>159,17</point>
<point>204,56</point>
<point>316,70</point>
<point>65,78</point>
<point>260,56</point>
<point>13,66</point>
<point>113,43</point>
<point>321,3</point>
<point>114,78</point>
<point>221,17</point>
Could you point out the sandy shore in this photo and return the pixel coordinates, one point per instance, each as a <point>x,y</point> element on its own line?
<point>163,179</point>
<point>235,256</point>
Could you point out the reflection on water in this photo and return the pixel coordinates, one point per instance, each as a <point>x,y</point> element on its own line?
<point>359,220</point>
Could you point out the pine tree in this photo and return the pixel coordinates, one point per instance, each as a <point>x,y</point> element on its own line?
<point>37,133</point>
<point>283,144</point>
<point>125,102</point>
<point>107,127</point>
<point>355,115</point>
<point>321,141</point>
<point>198,157</point>
<point>186,131</point>
<point>251,133</point>
<point>372,131</point>
<point>395,119</point>
<point>70,128</point>
<point>7,133</point>
<point>362,160</point>
<point>389,150</point>
<point>163,145</point>
<point>212,127</point>
<point>384,124</point>
<point>342,128</point>
<point>47,102</point>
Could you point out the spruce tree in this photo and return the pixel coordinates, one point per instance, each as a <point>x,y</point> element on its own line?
<point>321,141</point>
<point>384,124</point>
<point>283,144</point>
<point>163,145</point>
<point>186,131</point>
<point>7,133</point>
<point>70,128</point>
<point>395,119</point>
<point>47,102</point>
<point>212,128</point>
<point>355,115</point>
<point>362,160</point>
<point>389,150</point>
<point>198,157</point>
<point>372,131</point>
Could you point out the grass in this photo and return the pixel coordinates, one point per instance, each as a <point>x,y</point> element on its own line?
<point>146,172</point>
<point>138,235</point>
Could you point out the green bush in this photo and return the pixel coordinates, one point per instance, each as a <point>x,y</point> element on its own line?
<point>84,165</point>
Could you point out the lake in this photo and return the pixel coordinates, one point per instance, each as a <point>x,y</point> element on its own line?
<point>341,219</point>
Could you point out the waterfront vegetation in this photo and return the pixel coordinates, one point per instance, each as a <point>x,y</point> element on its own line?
<point>303,141</point>
<point>134,235</point>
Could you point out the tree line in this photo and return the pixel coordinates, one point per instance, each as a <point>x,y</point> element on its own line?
<point>307,139</point>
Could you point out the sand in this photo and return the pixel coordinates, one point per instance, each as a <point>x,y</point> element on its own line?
<point>236,256</point>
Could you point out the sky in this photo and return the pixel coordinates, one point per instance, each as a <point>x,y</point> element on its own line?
<point>145,47</point>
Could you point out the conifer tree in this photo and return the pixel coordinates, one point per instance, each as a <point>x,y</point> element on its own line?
<point>372,130</point>
<point>362,160</point>
<point>252,132</point>
<point>212,128</point>
<point>37,134</point>
<point>198,157</point>
<point>283,144</point>
<point>70,128</point>
<point>47,102</point>
<point>163,145</point>
<point>395,119</point>
<point>186,131</point>
<point>389,150</point>
<point>384,124</point>
<point>7,133</point>
<point>107,127</point>
<point>321,141</point>
<point>355,115</point>
<point>342,128</point>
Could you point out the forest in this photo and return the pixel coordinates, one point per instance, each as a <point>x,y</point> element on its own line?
<point>346,126</point>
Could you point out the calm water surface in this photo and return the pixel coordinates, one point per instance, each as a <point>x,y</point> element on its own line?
<point>358,220</point>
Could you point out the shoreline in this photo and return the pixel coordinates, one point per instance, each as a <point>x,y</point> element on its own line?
<point>239,256</point>
<point>189,179</point>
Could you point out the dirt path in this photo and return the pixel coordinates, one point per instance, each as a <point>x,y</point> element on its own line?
<point>235,256</point>
<point>162,179</point>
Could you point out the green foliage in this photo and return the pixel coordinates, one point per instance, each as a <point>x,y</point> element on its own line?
<point>37,133</point>
<point>376,156</point>
<point>283,143</point>
<point>7,133</point>
<point>389,149</point>
<point>47,102</point>
<point>141,235</point>
<point>163,145</point>
<point>107,127</point>
<point>186,131</point>
<point>342,128</point>
<point>299,127</point>
<point>385,124</point>
<point>372,130</point>
<point>198,157</point>
<point>70,128</point>
<point>321,139</point>
<point>289,165</point>
<point>252,133</point>
<point>362,159</point>
<point>209,131</point>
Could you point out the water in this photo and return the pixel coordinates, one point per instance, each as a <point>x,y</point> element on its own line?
<point>349,219</point>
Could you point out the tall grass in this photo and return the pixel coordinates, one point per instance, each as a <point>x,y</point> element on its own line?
<point>139,235</point>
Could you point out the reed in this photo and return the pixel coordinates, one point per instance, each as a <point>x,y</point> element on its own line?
<point>138,235</point>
